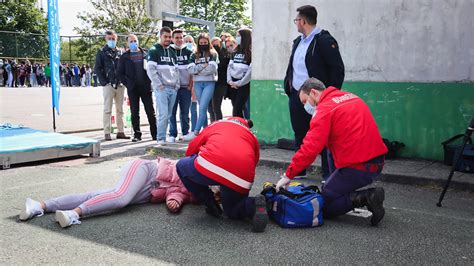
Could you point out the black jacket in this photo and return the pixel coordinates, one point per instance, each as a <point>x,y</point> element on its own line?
<point>323,61</point>
<point>126,71</point>
<point>106,62</point>
<point>224,58</point>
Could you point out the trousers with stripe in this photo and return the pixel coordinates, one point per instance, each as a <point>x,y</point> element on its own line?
<point>236,205</point>
<point>137,178</point>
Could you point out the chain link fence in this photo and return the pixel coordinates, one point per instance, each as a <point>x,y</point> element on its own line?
<point>74,49</point>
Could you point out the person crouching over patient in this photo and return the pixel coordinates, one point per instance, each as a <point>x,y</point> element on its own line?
<point>342,122</point>
<point>225,154</point>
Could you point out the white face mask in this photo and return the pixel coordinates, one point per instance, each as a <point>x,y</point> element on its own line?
<point>309,108</point>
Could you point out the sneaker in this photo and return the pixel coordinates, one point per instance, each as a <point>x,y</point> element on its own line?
<point>161,142</point>
<point>170,139</point>
<point>260,218</point>
<point>32,208</point>
<point>67,218</point>
<point>190,136</point>
<point>136,139</point>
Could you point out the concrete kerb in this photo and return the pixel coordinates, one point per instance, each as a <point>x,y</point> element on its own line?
<point>397,178</point>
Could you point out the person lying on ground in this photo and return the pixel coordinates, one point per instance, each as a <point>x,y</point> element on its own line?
<point>141,181</point>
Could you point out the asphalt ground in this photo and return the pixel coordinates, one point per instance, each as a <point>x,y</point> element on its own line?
<point>414,230</point>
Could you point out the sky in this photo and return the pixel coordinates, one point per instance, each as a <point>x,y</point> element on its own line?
<point>68,10</point>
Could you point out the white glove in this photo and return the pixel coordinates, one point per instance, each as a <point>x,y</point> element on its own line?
<point>282,183</point>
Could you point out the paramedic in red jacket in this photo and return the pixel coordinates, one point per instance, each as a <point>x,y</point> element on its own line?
<point>342,122</point>
<point>225,154</point>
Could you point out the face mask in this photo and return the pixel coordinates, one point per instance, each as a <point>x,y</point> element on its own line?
<point>223,45</point>
<point>204,47</point>
<point>133,46</point>
<point>189,46</point>
<point>230,50</point>
<point>216,47</point>
<point>309,108</point>
<point>238,40</point>
<point>111,44</point>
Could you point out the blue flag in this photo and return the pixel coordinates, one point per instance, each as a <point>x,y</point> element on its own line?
<point>54,51</point>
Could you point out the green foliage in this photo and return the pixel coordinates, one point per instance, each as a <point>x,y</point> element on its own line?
<point>229,15</point>
<point>22,16</point>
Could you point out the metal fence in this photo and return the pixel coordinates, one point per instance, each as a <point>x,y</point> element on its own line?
<point>74,49</point>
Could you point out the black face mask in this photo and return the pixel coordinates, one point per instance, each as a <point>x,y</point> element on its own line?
<point>216,47</point>
<point>204,48</point>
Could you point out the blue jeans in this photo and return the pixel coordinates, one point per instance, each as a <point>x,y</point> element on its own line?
<point>236,205</point>
<point>193,116</point>
<point>164,104</point>
<point>342,182</point>
<point>204,92</point>
<point>183,99</point>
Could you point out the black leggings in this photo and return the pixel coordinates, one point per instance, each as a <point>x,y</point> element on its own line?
<point>215,104</point>
<point>239,97</point>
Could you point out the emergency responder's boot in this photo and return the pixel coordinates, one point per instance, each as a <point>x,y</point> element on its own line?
<point>213,208</point>
<point>260,217</point>
<point>372,198</point>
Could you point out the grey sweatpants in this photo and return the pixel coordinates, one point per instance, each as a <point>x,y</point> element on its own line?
<point>136,181</point>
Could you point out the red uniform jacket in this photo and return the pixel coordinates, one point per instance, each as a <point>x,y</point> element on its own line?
<point>228,153</point>
<point>344,124</point>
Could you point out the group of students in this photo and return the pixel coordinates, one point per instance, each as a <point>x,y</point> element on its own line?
<point>180,73</point>
<point>24,73</point>
<point>28,74</point>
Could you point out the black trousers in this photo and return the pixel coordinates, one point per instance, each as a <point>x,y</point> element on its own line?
<point>239,97</point>
<point>215,106</point>
<point>300,123</point>
<point>140,92</point>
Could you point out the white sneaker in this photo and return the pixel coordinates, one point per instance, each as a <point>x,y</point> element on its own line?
<point>67,218</point>
<point>161,142</point>
<point>170,139</point>
<point>190,136</point>
<point>32,208</point>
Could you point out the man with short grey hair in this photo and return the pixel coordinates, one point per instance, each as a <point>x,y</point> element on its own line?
<point>132,73</point>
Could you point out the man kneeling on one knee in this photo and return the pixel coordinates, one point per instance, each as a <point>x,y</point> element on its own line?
<point>342,122</point>
<point>225,154</point>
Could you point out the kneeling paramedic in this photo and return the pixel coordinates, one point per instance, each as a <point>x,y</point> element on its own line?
<point>225,154</point>
<point>342,122</point>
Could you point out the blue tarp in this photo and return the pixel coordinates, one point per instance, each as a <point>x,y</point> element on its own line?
<point>23,139</point>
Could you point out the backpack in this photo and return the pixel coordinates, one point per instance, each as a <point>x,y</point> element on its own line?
<point>295,207</point>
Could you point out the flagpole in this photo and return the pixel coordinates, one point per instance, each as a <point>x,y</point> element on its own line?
<point>54,120</point>
<point>54,56</point>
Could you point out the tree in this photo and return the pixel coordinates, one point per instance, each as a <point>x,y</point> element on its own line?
<point>122,16</point>
<point>229,15</point>
<point>22,16</point>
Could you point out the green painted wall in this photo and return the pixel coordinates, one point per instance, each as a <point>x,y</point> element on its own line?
<point>421,115</point>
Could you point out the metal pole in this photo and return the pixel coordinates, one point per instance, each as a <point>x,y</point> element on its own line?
<point>70,52</point>
<point>54,120</point>
<point>16,45</point>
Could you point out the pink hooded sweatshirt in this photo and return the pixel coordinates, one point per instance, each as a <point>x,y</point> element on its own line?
<point>169,186</point>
